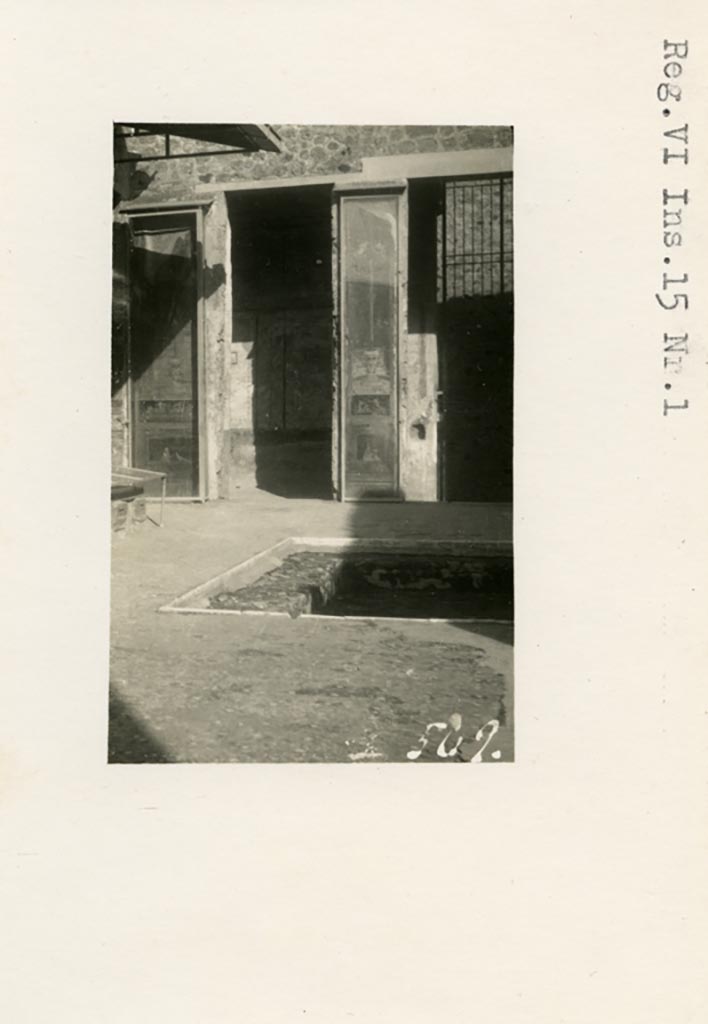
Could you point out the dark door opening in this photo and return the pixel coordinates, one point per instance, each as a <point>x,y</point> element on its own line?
<point>282,273</point>
<point>476,317</point>
<point>164,349</point>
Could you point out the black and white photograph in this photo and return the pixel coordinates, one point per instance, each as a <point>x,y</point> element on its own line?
<point>354,434</point>
<point>312,443</point>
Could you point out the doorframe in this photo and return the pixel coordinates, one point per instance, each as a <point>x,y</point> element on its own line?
<point>365,190</point>
<point>170,210</point>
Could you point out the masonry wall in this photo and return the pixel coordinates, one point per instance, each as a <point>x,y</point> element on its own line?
<point>229,338</point>
<point>119,349</point>
<point>419,377</point>
<point>307,150</point>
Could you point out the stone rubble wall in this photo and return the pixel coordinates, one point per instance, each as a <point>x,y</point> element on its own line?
<point>306,150</point>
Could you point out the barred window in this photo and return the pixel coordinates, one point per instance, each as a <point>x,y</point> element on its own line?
<point>475,236</point>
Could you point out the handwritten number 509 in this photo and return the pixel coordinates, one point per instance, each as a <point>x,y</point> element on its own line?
<point>486,732</point>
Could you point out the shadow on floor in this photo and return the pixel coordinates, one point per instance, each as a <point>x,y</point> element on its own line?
<point>294,467</point>
<point>129,740</point>
<point>503,632</point>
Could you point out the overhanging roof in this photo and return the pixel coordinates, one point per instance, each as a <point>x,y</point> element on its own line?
<point>246,137</point>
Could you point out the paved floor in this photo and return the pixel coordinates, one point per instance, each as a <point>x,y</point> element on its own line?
<point>207,688</point>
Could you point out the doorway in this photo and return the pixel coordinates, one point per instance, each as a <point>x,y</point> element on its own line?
<point>282,300</point>
<point>476,318</point>
<point>164,349</point>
